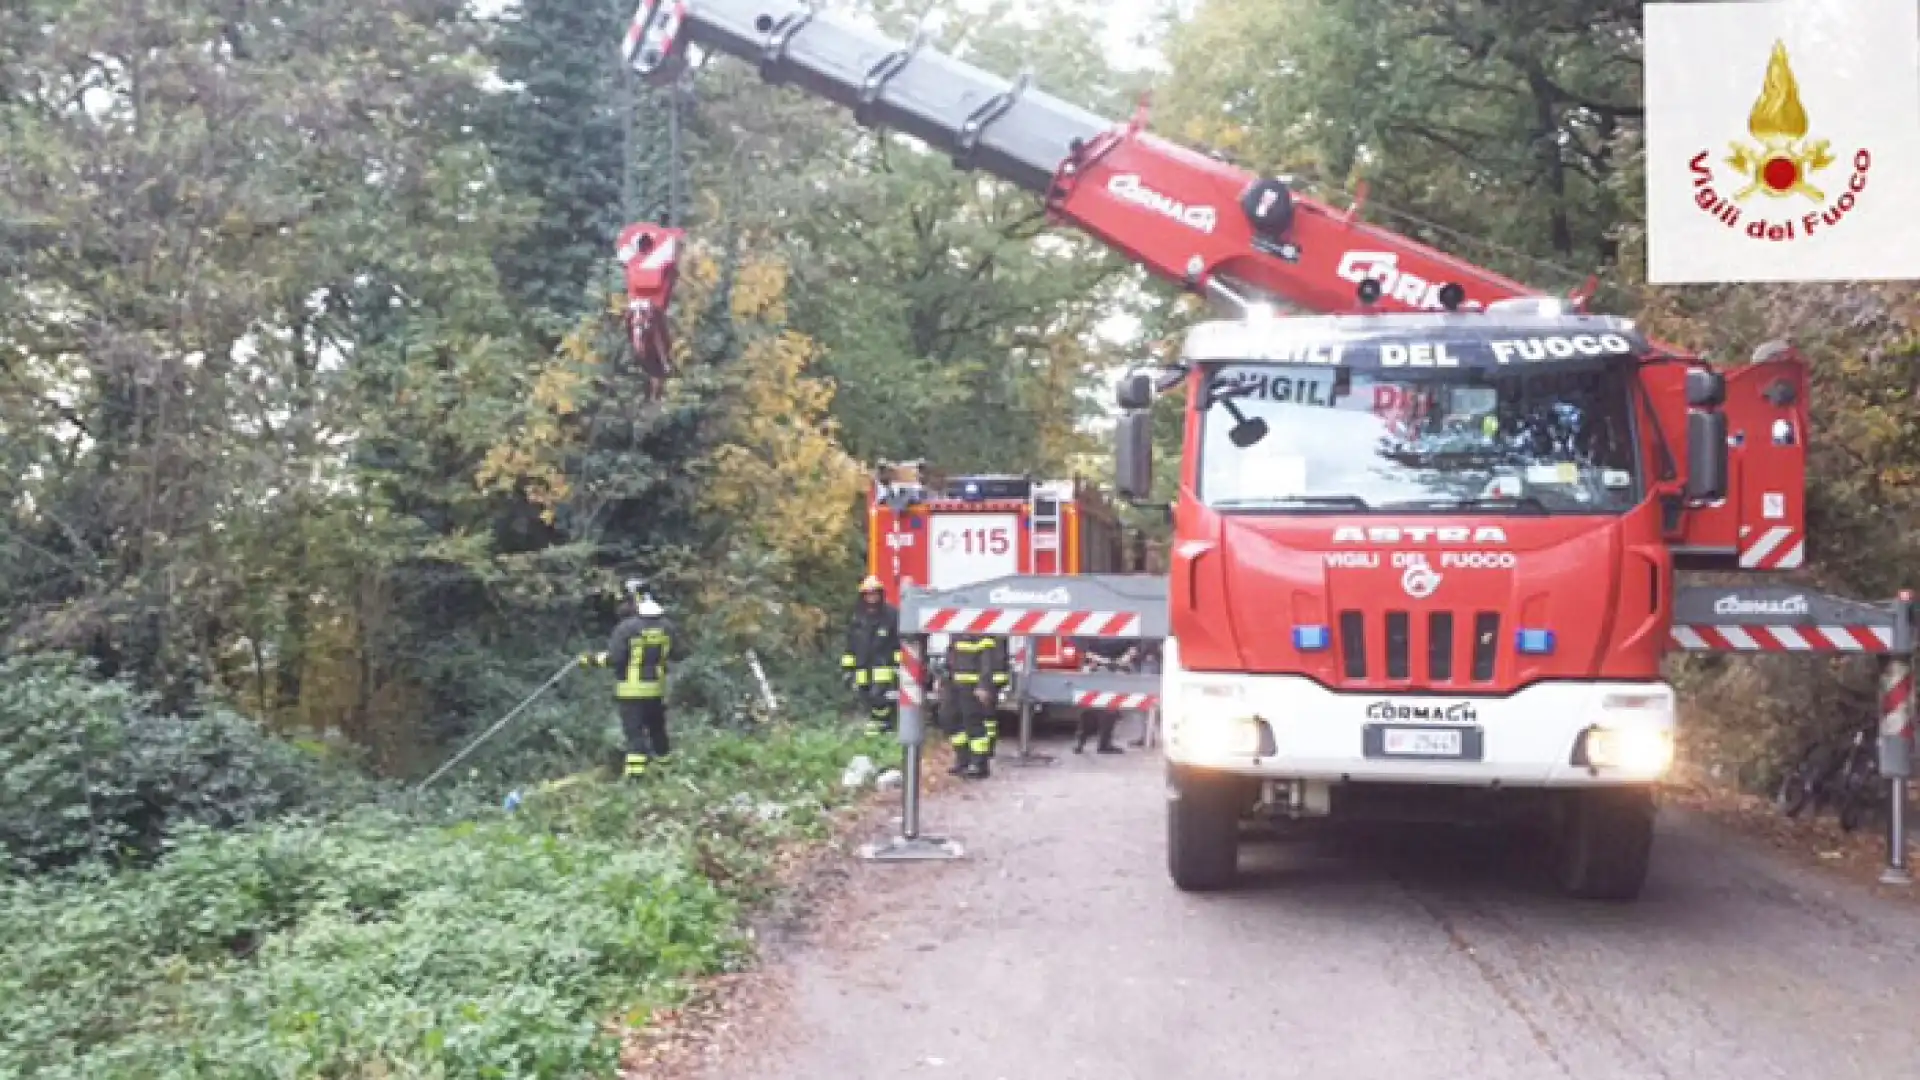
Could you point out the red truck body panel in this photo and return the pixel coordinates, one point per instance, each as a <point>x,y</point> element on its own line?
<point>948,543</point>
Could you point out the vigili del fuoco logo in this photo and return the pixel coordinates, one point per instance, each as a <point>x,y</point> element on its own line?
<point>1785,191</point>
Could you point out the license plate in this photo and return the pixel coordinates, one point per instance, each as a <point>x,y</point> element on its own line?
<point>1421,742</point>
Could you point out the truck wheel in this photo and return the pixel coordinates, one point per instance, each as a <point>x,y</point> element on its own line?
<point>1203,830</point>
<point>1606,840</point>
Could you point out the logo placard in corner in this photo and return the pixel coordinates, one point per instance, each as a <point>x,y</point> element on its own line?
<point>1783,139</point>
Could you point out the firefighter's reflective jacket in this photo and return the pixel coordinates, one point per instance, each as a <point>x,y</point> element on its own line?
<point>639,650</point>
<point>873,645</point>
<point>979,660</point>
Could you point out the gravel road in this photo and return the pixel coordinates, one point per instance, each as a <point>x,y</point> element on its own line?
<point>1058,950</point>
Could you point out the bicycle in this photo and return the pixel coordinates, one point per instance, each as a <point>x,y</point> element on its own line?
<point>1845,776</point>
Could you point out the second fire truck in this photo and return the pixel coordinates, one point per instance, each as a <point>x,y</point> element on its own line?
<point>955,531</point>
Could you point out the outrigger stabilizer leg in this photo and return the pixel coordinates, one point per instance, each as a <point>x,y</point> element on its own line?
<point>1026,756</point>
<point>1896,738</point>
<point>911,845</point>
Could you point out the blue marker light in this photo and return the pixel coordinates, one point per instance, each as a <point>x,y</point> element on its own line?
<point>1534,642</point>
<point>1310,638</point>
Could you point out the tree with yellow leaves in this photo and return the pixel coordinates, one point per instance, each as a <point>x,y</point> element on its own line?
<point>776,481</point>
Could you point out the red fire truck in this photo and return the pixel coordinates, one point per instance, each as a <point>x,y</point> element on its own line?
<point>963,530</point>
<point>1425,547</point>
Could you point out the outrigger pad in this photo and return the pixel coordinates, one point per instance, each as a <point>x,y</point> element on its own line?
<point>914,849</point>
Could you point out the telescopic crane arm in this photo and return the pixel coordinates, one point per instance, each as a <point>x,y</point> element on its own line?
<point>1219,231</point>
<point>1215,229</point>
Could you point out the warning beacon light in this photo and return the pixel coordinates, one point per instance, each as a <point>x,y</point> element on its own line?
<point>1311,638</point>
<point>1534,642</point>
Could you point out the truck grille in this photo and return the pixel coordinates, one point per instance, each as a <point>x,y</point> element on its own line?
<point>1388,647</point>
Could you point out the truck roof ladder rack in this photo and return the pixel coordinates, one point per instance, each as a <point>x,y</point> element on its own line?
<point>1043,531</point>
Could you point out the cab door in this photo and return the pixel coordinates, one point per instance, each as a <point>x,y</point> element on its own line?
<point>1761,524</point>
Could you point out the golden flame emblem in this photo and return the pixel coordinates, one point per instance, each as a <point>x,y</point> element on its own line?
<point>1782,162</point>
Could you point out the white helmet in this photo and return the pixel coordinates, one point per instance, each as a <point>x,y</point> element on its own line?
<point>648,609</point>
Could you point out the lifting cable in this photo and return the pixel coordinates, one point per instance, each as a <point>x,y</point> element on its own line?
<point>674,212</point>
<point>676,165</point>
<point>498,724</point>
<point>629,83</point>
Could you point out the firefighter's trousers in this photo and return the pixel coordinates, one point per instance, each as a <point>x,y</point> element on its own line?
<point>882,714</point>
<point>1092,720</point>
<point>644,722</point>
<point>968,729</point>
<point>875,688</point>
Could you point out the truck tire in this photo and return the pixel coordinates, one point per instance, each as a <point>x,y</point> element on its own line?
<point>1203,830</point>
<point>1605,842</point>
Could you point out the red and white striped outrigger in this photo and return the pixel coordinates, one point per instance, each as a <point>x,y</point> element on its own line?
<point>1085,605</point>
<point>1108,700</point>
<point>1781,619</point>
<point>1019,622</point>
<point>1729,637</point>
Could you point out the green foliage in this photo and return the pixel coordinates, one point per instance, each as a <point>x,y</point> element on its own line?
<point>320,407</point>
<point>89,767</point>
<point>1490,130</point>
<point>321,444</point>
<point>953,321</point>
<point>392,942</point>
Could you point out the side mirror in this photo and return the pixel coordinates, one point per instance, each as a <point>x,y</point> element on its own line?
<point>1135,391</point>
<point>1706,389</point>
<point>1706,455</point>
<point>1133,455</point>
<point>1247,431</point>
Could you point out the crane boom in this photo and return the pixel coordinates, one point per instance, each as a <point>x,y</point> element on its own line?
<point>1209,226</point>
<point>1008,129</point>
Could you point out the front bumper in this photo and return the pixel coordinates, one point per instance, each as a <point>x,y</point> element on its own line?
<point>1284,727</point>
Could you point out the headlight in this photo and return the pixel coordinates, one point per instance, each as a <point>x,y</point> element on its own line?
<point>1213,720</point>
<point>1642,751</point>
<point>1222,736</point>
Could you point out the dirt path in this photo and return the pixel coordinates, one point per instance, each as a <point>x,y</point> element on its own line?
<point>1058,950</point>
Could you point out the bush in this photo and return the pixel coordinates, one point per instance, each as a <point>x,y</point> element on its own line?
<point>1747,719</point>
<point>86,766</point>
<point>391,942</point>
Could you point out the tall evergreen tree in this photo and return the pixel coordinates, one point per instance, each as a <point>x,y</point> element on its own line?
<point>557,130</point>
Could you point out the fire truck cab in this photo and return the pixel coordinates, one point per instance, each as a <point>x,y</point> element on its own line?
<point>1423,567</point>
<point>946,532</point>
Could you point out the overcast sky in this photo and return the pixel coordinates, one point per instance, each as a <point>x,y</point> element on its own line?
<point>1126,20</point>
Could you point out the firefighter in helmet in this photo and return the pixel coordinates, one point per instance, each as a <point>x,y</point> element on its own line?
<point>975,663</point>
<point>639,649</point>
<point>873,655</point>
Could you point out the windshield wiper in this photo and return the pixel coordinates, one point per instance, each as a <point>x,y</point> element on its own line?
<point>1337,502</point>
<point>1529,503</point>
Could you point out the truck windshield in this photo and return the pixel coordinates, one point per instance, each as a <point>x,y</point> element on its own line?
<point>1339,439</point>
